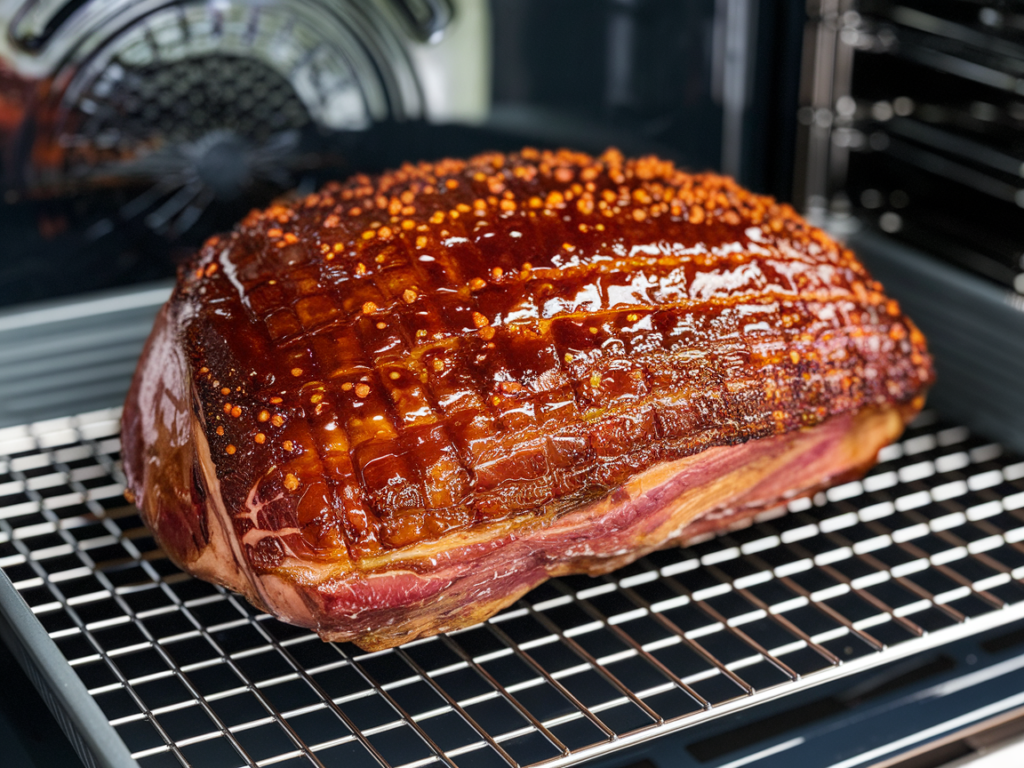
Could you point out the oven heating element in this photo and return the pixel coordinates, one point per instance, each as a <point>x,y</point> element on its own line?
<point>928,548</point>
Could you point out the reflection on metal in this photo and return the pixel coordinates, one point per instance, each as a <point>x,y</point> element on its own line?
<point>194,101</point>
<point>67,356</point>
<point>732,74</point>
<point>453,66</point>
<point>158,111</point>
<point>926,146</point>
<point>622,39</point>
<point>829,39</point>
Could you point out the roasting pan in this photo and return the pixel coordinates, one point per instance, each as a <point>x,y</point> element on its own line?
<point>145,666</point>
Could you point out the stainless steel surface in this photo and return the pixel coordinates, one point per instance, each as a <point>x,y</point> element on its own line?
<point>975,331</point>
<point>79,717</point>
<point>996,742</point>
<point>927,549</point>
<point>824,80</point>
<point>69,356</point>
<point>911,118</point>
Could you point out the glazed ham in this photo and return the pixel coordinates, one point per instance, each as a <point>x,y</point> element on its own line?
<point>391,408</point>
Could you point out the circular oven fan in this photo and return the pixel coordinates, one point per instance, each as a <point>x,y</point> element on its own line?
<point>195,105</point>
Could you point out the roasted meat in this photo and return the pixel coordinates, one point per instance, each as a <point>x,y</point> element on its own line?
<point>391,408</point>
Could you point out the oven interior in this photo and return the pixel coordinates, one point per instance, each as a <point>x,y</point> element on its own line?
<point>128,138</point>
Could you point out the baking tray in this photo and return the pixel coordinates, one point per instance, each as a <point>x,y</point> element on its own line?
<point>146,665</point>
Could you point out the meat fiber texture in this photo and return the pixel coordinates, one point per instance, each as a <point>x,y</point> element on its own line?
<point>391,408</point>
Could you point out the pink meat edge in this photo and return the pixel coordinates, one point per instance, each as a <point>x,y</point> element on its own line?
<point>472,583</point>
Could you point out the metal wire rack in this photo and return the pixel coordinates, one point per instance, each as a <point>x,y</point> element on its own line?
<point>927,548</point>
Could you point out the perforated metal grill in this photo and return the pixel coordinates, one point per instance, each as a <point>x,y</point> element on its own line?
<point>927,548</point>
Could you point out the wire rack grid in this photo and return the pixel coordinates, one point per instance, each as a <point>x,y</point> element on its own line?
<point>928,547</point>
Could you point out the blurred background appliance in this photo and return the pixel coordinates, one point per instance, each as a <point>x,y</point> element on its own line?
<point>131,130</point>
<point>912,118</point>
<point>911,144</point>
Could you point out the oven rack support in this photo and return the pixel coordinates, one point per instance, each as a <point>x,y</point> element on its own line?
<point>144,665</point>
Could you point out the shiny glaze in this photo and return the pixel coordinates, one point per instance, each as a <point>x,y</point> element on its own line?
<point>450,344</point>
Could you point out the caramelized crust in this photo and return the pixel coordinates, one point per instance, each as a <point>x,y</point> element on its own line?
<point>398,359</point>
